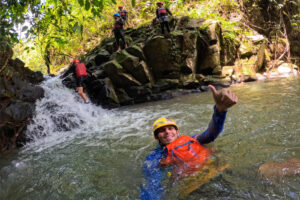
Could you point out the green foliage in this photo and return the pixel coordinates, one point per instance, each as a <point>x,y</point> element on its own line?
<point>296,22</point>
<point>54,24</point>
<point>65,29</point>
<point>133,3</point>
<point>12,13</point>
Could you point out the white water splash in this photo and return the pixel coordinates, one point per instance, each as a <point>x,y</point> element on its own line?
<point>61,115</point>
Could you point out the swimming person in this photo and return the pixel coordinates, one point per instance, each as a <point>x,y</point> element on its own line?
<point>185,154</point>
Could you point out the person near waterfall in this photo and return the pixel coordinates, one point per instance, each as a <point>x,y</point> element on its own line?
<point>79,71</point>
<point>182,156</point>
<point>162,16</point>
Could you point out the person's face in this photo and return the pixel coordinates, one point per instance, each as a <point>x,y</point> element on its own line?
<point>120,8</point>
<point>116,17</point>
<point>167,134</point>
<point>159,5</point>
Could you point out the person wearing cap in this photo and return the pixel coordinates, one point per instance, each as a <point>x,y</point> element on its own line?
<point>80,73</point>
<point>184,154</point>
<point>118,30</point>
<point>162,16</point>
<point>124,14</point>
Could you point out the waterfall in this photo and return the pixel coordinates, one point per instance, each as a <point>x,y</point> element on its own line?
<point>61,118</point>
<point>62,115</point>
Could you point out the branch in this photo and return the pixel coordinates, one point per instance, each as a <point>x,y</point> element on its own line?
<point>4,66</point>
<point>286,37</point>
<point>63,54</point>
<point>285,51</point>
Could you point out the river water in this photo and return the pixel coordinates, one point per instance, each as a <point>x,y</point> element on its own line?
<point>82,151</point>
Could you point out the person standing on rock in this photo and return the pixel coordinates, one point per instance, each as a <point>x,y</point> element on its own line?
<point>80,72</point>
<point>184,156</point>
<point>162,16</point>
<point>124,14</point>
<point>118,31</point>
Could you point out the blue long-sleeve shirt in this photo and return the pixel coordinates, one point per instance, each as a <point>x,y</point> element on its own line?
<point>154,173</point>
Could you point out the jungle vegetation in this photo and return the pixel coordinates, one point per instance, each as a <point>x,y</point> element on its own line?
<point>48,34</point>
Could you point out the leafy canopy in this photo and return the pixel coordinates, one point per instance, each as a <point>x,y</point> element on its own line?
<point>42,13</point>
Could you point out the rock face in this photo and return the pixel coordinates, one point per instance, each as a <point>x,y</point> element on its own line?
<point>156,66</point>
<point>17,97</point>
<point>259,13</point>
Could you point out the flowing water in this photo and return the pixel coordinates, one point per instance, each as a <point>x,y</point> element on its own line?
<point>82,151</point>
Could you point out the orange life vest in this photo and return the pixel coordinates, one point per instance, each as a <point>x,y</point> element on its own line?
<point>80,70</point>
<point>186,155</point>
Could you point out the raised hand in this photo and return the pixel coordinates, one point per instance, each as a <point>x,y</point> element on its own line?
<point>224,98</point>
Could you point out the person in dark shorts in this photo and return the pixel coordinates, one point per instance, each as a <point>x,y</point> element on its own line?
<point>80,72</point>
<point>162,16</point>
<point>118,31</point>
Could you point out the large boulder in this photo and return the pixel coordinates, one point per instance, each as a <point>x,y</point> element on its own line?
<point>142,73</point>
<point>118,76</point>
<point>189,23</point>
<point>89,61</point>
<point>112,67</point>
<point>214,31</point>
<point>189,51</point>
<point>102,92</point>
<point>165,84</point>
<point>19,111</point>
<point>158,52</point>
<point>17,67</point>
<point>275,171</point>
<point>229,48</point>
<point>209,58</point>
<point>123,97</point>
<point>139,93</point>
<point>211,64</point>
<point>124,80</point>
<point>97,58</point>
<point>18,95</point>
<point>127,61</point>
<point>190,81</point>
<point>136,51</point>
<point>102,57</point>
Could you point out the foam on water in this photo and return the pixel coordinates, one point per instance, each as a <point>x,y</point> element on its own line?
<point>61,116</point>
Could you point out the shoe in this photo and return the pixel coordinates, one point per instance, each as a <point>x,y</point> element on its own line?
<point>86,102</point>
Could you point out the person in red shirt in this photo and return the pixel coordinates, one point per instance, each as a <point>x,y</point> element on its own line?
<point>162,16</point>
<point>80,72</point>
<point>124,14</point>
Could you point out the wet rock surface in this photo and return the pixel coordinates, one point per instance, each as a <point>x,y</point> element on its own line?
<point>18,94</point>
<point>154,66</point>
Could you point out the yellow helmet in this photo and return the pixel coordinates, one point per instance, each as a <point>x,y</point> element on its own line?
<point>160,122</point>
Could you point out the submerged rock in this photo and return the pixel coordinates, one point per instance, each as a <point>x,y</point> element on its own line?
<point>275,171</point>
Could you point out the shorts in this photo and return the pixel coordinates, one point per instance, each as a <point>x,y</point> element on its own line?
<point>164,18</point>
<point>79,81</point>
